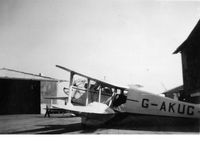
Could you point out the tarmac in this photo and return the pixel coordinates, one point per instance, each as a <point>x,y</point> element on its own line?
<point>68,124</point>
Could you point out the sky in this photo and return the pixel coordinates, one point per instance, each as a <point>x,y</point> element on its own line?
<point>124,41</point>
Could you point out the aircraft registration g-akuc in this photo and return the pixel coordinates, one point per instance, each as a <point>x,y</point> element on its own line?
<point>97,101</point>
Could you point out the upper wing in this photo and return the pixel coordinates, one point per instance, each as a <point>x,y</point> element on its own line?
<point>91,78</point>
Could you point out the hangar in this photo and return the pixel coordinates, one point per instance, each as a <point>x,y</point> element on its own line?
<point>23,93</point>
<point>190,53</point>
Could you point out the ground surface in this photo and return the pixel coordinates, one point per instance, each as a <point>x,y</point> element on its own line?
<point>66,124</point>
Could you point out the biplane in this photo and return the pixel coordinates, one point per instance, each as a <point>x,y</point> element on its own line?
<point>97,101</point>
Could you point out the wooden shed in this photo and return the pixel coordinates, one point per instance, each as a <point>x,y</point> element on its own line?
<point>190,53</point>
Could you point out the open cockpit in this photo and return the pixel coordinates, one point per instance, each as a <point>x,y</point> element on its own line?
<point>84,90</point>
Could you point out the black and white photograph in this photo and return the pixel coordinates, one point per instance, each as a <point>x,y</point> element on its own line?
<point>106,67</point>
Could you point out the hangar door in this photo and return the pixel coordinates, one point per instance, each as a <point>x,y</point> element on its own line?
<point>19,96</point>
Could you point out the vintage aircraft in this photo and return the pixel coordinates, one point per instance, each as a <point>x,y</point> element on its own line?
<point>97,101</point>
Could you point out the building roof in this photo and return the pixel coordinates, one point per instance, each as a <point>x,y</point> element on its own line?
<point>6,73</point>
<point>176,89</point>
<point>192,40</point>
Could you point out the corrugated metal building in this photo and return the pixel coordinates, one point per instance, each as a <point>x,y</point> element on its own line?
<point>22,93</point>
<point>190,53</point>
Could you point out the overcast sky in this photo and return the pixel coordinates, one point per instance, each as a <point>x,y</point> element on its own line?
<point>128,42</point>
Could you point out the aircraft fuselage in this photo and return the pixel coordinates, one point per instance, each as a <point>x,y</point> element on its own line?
<point>147,103</point>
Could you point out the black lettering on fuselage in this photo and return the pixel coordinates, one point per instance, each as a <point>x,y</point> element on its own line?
<point>145,103</point>
<point>171,107</point>
<point>181,111</point>
<point>163,106</point>
<point>190,110</point>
